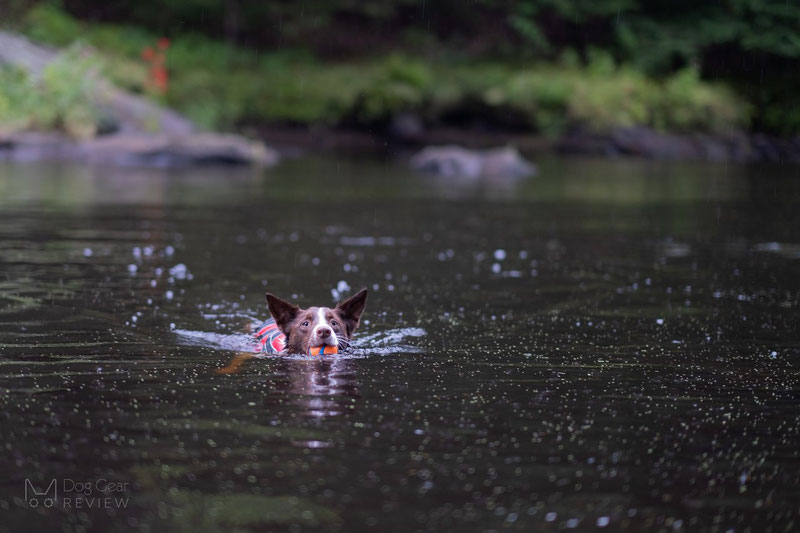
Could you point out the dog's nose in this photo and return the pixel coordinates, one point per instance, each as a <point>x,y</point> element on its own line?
<point>324,333</point>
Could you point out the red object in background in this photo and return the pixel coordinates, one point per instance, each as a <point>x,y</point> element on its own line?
<point>157,77</point>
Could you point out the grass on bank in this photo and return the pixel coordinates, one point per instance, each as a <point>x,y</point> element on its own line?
<point>224,87</point>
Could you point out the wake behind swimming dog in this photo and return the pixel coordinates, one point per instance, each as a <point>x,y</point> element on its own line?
<point>312,331</point>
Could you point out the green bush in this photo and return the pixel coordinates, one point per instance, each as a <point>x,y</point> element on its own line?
<point>690,104</point>
<point>15,96</point>
<point>62,98</point>
<point>602,96</point>
<point>396,84</point>
<point>47,23</point>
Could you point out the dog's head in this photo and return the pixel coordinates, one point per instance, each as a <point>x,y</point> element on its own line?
<point>317,326</point>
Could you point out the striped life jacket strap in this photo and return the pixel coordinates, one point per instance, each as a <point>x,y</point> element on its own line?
<point>269,338</point>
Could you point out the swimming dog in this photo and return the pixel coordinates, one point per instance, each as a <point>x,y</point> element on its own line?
<point>312,331</point>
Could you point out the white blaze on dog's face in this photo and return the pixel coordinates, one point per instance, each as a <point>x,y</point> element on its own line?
<point>317,326</point>
<point>323,331</point>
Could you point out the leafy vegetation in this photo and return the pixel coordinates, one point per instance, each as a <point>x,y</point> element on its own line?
<point>224,86</point>
<point>61,98</point>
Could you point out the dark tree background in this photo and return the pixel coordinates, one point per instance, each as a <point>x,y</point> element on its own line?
<point>658,35</point>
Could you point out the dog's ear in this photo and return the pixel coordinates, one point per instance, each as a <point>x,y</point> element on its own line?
<point>282,311</point>
<point>350,310</point>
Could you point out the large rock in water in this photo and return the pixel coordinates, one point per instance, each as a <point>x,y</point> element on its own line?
<point>455,161</point>
<point>177,150</point>
<point>130,149</point>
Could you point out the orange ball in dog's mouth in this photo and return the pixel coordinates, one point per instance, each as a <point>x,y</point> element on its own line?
<point>325,349</point>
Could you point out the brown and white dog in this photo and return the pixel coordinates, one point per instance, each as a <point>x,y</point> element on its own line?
<point>317,326</point>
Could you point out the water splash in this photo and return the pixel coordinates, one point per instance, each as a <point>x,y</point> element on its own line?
<point>392,341</point>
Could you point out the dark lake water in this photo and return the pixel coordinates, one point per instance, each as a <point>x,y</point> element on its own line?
<point>610,345</point>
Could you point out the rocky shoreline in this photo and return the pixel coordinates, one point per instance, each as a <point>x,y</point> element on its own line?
<point>644,142</point>
<point>180,149</point>
<point>133,149</point>
<point>641,142</point>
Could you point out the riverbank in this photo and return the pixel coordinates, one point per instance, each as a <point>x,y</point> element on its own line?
<point>639,142</point>
<point>220,86</point>
<point>289,98</point>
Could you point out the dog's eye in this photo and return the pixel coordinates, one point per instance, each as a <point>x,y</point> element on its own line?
<point>305,323</point>
<point>334,323</point>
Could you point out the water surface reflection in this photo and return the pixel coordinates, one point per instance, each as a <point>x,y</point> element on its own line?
<point>612,344</point>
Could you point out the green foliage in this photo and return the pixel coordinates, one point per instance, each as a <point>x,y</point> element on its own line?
<point>15,95</point>
<point>531,18</point>
<point>397,84</point>
<point>690,104</point>
<point>46,23</point>
<point>62,98</point>
<point>655,34</point>
<point>549,98</point>
<point>222,86</point>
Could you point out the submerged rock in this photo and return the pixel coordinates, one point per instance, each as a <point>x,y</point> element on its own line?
<point>455,161</point>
